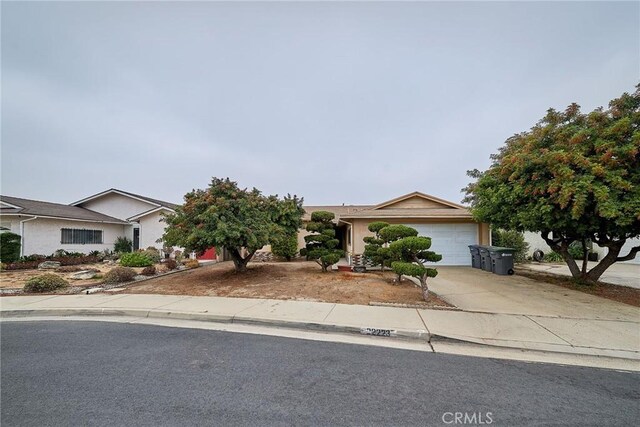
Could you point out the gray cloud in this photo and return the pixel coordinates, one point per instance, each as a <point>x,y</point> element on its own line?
<point>337,102</point>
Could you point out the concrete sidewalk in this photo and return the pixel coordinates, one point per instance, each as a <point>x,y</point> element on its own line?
<point>594,337</point>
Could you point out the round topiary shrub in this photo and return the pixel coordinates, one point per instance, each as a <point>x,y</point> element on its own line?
<point>119,275</point>
<point>135,259</point>
<point>149,271</point>
<point>45,283</point>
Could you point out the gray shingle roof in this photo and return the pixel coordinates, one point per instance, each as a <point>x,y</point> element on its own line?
<point>57,210</point>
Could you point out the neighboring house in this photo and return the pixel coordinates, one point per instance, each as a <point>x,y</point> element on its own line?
<point>536,242</point>
<point>90,224</point>
<point>451,226</point>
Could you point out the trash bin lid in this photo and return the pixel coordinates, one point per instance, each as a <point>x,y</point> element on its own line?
<point>499,249</point>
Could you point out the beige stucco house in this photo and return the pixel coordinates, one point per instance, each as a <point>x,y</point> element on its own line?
<point>451,226</point>
<point>93,223</point>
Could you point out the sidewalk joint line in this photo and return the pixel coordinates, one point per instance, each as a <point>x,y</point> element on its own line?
<point>548,330</point>
<point>330,311</point>
<point>424,323</point>
<point>172,302</point>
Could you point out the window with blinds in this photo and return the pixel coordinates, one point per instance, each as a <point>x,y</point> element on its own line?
<point>81,236</point>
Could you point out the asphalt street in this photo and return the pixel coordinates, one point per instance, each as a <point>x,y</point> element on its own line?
<point>100,373</point>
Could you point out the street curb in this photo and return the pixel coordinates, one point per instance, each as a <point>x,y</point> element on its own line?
<point>407,334</point>
<point>421,335</point>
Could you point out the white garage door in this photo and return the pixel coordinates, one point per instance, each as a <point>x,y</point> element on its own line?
<point>450,240</point>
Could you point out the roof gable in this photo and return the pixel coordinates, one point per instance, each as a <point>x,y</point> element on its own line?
<point>149,200</point>
<point>417,200</point>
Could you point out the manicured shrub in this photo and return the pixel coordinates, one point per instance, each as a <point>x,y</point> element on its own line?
<point>9,247</point>
<point>511,239</point>
<point>322,243</point>
<point>285,246</point>
<point>192,263</point>
<point>119,275</point>
<point>149,271</point>
<point>171,264</point>
<point>552,256</point>
<point>45,283</point>
<point>123,245</point>
<point>135,259</point>
<point>153,254</point>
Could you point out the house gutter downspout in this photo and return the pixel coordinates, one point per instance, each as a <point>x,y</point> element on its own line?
<point>22,234</point>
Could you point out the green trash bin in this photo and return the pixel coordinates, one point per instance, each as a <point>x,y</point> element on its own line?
<point>475,256</point>
<point>501,260</point>
<point>485,258</point>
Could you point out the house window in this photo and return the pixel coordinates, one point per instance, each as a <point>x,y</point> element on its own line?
<point>81,236</point>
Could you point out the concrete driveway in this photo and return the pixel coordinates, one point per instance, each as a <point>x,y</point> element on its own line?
<point>477,290</point>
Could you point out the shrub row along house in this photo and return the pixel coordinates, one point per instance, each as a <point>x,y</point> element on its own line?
<point>451,226</point>
<point>91,224</point>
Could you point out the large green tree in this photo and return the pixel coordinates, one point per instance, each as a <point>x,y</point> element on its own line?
<point>573,177</point>
<point>224,215</point>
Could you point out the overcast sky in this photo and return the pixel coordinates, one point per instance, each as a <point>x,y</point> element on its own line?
<point>337,102</point>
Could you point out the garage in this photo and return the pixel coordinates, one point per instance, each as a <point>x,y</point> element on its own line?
<point>450,240</point>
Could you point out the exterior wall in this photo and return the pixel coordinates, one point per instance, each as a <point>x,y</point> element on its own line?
<point>42,236</point>
<point>301,233</point>
<point>535,242</point>
<point>151,229</point>
<point>12,222</point>
<point>484,234</point>
<point>118,206</point>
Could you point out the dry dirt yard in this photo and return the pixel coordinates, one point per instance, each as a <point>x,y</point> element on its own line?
<point>16,279</point>
<point>298,280</point>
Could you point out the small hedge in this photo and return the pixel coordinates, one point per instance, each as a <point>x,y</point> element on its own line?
<point>9,247</point>
<point>149,271</point>
<point>135,259</point>
<point>171,264</point>
<point>45,283</point>
<point>119,275</point>
<point>152,253</point>
<point>192,263</point>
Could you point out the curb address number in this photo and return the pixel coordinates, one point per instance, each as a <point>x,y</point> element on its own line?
<point>377,332</point>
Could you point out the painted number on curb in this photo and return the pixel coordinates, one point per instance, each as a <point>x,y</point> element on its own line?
<point>377,332</point>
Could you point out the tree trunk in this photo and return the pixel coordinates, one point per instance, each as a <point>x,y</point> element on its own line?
<point>425,288</point>
<point>239,262</point>
<point>609,259</point>
<point>585,258</point>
